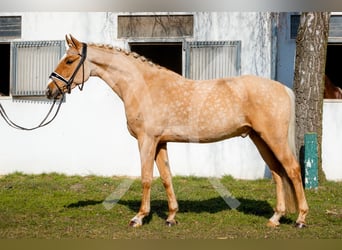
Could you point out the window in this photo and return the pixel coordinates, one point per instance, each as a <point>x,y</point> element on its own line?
<point>5,52</point>
<point>162,26</point>
<point>294,25</point>
<point>333,58</point>
<point>10,27</point>
<point>32,63</point>
<point>332,66</point>
<point>335,26</point>
<point>209,60</point>
<point>166,54</point>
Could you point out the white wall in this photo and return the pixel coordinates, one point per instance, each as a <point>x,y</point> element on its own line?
<point>332,139</point>
<point>252,28</point>
<point>89,135</point>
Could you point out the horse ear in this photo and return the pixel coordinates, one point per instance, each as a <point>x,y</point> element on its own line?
<point>78,45</point>
<point>73,42</point>
<point>68,41</point>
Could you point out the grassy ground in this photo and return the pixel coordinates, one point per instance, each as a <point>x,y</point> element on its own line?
<point>52,206</point>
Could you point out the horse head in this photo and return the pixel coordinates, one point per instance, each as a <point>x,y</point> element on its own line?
<point>73,70</point>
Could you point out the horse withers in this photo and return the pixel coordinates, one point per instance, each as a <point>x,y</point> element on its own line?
<point>162,106</point>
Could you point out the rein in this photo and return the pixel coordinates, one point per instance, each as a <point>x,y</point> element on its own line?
<point>43,123</point>
<point>52,76</point>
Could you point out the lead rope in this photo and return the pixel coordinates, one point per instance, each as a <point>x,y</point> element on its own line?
<point>43,123</point>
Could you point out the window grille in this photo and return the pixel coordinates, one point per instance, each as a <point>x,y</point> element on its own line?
<point>210,60</point>
<point>32,63</point>
<point>335,26</point>
<point>10,27</point>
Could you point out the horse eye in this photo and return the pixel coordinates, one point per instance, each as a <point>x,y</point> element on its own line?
<point>69,61</point>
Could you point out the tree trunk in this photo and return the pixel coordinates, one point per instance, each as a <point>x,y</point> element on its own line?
<point>311,47</point>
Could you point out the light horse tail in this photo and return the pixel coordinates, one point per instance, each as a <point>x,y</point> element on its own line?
<point>292,124</point>
<point>291,201</point>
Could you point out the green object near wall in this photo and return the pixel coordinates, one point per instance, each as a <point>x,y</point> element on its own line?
<point>310,161</point>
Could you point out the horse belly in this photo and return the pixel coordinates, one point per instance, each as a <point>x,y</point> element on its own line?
<point>207,125</point>
<point>191,134</point>
<point>216,130</point>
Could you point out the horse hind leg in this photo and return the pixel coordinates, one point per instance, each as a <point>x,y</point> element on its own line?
<point>274,166</point>
<point>293,171</point>
<point>293,175</point>
<point>165,174</point>
<point>289,171</point>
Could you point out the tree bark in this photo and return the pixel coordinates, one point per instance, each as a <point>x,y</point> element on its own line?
<point>311,47</point>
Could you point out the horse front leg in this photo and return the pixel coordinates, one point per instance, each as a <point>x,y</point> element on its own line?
<point>147,148</point>
<point>165,174</point>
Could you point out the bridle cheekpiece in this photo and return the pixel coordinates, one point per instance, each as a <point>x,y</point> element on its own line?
<point>55,76</point>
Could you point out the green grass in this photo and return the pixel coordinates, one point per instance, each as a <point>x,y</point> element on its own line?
<point>53,206</point>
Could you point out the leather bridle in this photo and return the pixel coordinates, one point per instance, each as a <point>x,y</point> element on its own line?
<point>55,76</point>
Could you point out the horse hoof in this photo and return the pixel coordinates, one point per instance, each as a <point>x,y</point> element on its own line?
<point>134,223</point>
<point>272,224</point>
<point>171,223</point>
<point>300,225</point>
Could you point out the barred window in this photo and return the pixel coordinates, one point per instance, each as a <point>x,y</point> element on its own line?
<point>32,63</point>
<point>209,60</point>
<point>335,27</point>
<point>10,27</point>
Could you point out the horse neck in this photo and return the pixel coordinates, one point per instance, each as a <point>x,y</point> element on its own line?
<point>112,67</point>
<point>126,73</point>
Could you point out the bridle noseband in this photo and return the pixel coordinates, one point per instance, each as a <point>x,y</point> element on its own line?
<point>55,76</point>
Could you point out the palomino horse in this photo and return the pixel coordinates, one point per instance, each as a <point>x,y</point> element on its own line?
<point>162,106</point>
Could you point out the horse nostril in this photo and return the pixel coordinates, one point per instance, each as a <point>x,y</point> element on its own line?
<point>48,93</point>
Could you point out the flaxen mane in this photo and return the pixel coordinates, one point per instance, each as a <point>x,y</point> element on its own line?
<point>126,52</point>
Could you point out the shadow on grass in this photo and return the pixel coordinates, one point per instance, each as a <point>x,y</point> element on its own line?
<point>255,207</point>
<point>84,203</point>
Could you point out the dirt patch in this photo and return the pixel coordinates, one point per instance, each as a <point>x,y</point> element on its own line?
<point>334,212</point>
<point>77,187</point>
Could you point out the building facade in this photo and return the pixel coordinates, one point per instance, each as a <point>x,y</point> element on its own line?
<point>89,135</point>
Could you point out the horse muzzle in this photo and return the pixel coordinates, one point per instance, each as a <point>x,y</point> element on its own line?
<point>53,92</point>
